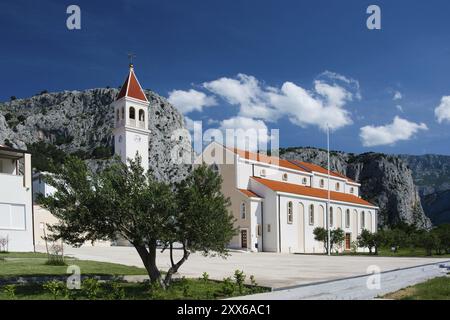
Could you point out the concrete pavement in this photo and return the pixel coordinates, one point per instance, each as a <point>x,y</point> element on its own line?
<point>356,288</point>
<point>270,269</point>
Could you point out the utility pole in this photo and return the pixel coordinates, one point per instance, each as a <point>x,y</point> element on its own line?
<point>328,202</point>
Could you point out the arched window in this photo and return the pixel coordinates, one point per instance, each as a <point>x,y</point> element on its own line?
<point>141,115</point>
<point>363,220</point>
<point>117,115</point>
<point>304,181</point>
<point>285,176</point>
<point>132,114</point>
<point>369,222</point>
<point>331,217</point>
<point>347,218</point>
<point>263,173</point>
<point>290,213</point>
<point>243,209</point>
<point>352,190</point>
<point>123,113</point>
<point>322,183</point>
<point>338,186</point>
<point>311,214</point>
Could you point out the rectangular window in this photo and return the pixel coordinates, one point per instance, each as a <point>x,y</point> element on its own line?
<point>258,230</point>
<point>12,216</point>
<point>268,228</point>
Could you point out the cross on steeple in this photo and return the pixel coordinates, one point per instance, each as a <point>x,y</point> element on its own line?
<point>131,55</point>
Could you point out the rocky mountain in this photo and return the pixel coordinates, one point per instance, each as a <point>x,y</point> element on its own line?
<point>81,122</point>
<point>431,174</point>
<point>386,181</point>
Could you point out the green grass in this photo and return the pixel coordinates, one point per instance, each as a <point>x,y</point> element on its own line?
<point>402,252</point>
<point>434,289</point>
<point>33,264</point>
<point>195,289</point>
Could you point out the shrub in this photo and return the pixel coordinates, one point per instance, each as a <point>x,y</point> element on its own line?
<point>228,286</point>
<point>205,276</point>
<point>55,287</point>
<point>56,257</point>
<point>91,288</point>
<point>116,291</point>
<point>239,277</point>
<point>10,291</point>
<point>12,98</point>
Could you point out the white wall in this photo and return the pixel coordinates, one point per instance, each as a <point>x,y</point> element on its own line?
<point>16,213</point>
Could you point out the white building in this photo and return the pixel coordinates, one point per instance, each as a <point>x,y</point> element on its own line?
<point>16,208</point>
<point>278,203</point>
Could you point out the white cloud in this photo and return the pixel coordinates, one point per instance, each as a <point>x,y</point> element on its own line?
<point>354,84</point>
<point>306,108</point>
<point>244,91</point>
<point>400,129</point>
<point>325,104</point>
<point>399,108</point>
<point>397,96</point>
<point>442,112</point>
<point>192,100</point>
<point>246,129</point>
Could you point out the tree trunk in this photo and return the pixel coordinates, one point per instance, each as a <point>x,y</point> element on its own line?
<point>175,266</point>
<point>148,257</point>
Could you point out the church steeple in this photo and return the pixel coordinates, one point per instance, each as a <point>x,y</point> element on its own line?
<point>131,87</point>
<point>131,133</point>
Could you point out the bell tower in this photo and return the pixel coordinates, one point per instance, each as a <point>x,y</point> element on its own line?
<point>131,133</point>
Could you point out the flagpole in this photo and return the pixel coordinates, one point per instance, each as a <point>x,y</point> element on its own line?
<point>328,202</point>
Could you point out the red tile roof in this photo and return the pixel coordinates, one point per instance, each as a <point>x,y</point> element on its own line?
<point>266,159</point>
<point>131,88</point>
<point>313,167</point>
<point>311,192</point>
<point>290,164</point>
<point>249,193</point>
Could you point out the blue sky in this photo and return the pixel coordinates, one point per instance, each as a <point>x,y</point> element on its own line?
<point>292,57</point>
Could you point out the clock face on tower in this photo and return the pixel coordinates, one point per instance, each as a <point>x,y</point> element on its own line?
<point>137,138</point>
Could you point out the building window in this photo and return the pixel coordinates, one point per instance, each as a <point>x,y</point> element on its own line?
<point>290,214</point>
<point>243,208</point>
<point>331,216</point>
<point>141,115</point>
<point>258,230</point>
<point>263,173</point>
<point>268,228</point>
<point>285,177</point>
<point>311,214</point>
<point>352,190</point>
<point>338,186</point>
<point>117,115</point>
<point>304,181</point>
<point>322,183</point>
<point>363,220</point>
<point>132,114</point>
<point>347,218</point>
<point>123,113</point>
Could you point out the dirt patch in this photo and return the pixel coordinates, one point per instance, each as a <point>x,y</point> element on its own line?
<point>401,294</point>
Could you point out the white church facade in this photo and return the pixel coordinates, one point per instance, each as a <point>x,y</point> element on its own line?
<point>278,203</point>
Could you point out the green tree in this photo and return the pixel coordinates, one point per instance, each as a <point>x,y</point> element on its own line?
<point>430,241</point>
<point>365,240</point>
<point>123,201</point>
<point>337,236</point>
<point>202,221</point>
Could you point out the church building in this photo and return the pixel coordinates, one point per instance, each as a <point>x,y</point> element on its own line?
<point>278,203</point>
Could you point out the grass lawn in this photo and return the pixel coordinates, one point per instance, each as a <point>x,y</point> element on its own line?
<point>33,264</point>
<point>434,289</point>
<point>402,252</point>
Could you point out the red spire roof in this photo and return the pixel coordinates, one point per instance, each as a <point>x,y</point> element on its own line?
<point>131,88</point>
